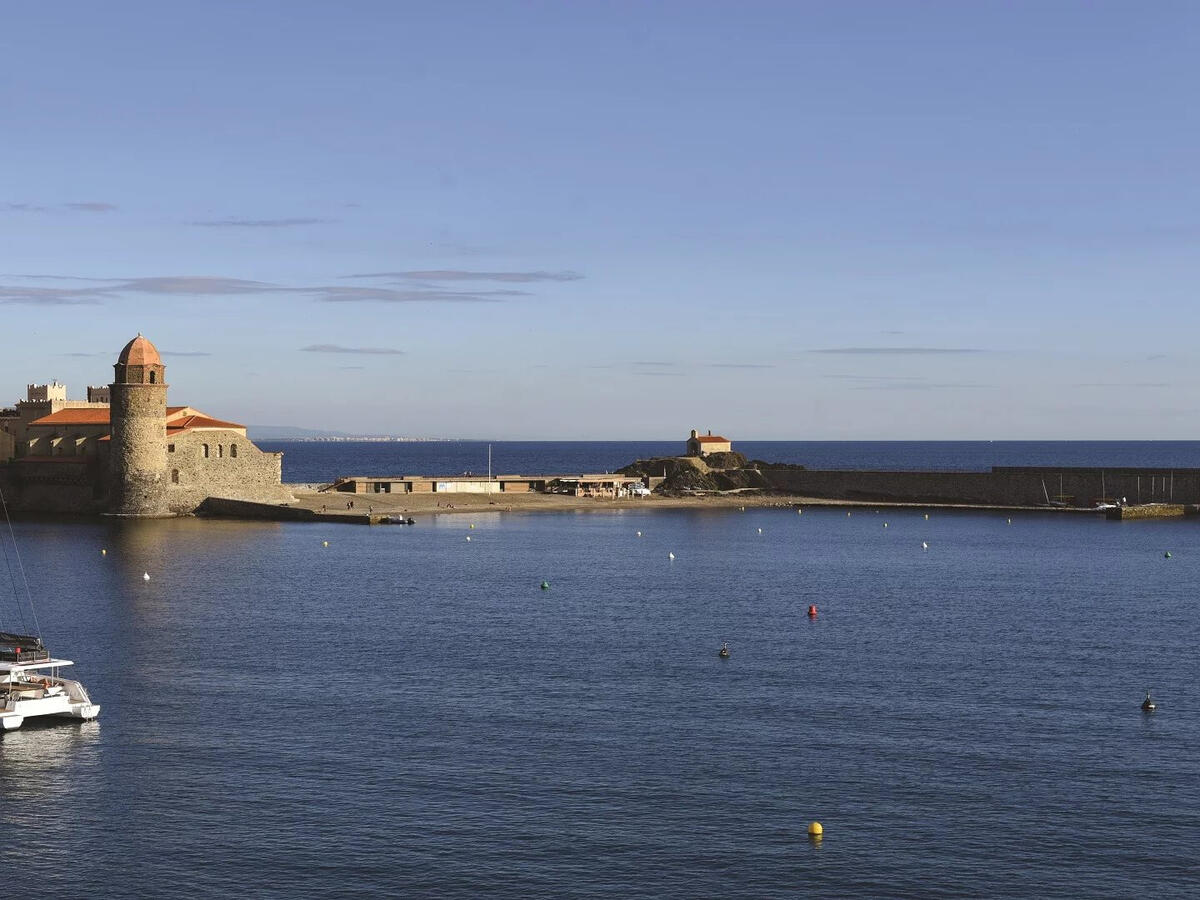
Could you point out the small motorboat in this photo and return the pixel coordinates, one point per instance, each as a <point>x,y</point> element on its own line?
<point>724,651</point>
<point>1148,705</point>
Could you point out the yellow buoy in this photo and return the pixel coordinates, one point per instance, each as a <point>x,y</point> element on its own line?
<point>815,830</point>
<point>324,543</point>
<point>472,524</point>
<point>104,553</point>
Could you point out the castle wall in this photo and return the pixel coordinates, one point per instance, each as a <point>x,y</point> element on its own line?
<point>139,449</point>
<point>232,468</point>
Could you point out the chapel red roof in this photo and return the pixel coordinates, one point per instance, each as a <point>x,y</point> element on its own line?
<point>712,439</point>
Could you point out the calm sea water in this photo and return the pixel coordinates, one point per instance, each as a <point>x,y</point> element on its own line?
<point>404,713</point>
<point>317,462</point>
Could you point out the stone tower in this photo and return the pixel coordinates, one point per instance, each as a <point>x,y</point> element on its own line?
<point>138,456</point>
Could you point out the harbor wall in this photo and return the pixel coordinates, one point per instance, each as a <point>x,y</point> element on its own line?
<point>1001,486</point>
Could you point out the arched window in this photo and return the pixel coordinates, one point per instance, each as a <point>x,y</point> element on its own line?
<point>204,450</point>
<point>220,450</point>
<point>233,450</point>
<point>174,476</point>
<point>153,376</point>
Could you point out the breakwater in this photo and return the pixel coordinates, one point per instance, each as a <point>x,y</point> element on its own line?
<point>1078,488</point>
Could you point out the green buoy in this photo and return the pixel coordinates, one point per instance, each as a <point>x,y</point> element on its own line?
<point>545,585</point>
<point>1167,555</point>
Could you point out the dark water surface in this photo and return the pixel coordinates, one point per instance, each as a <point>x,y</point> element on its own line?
<point>405,713</point>
<point>314,461</point>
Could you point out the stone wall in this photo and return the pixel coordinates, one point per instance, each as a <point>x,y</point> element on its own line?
<point>139,449</point>
<point>69,486</point>
<point>231,467</point>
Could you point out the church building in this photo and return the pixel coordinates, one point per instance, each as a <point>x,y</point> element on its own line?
<point>125,452</point>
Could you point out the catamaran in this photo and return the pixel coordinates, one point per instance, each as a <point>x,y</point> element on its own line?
<point>31,684</point>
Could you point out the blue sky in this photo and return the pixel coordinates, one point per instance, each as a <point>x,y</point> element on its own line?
<point>800,220</point>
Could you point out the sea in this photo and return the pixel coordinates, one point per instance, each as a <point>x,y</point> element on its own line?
<point>315,462</point>
<point>324,710</point>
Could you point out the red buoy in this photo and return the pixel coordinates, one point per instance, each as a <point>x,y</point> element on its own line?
<point>812,611</point>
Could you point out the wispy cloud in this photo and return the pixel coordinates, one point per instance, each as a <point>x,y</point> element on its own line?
<point>896,351</point>
<point>343,294</point>
<point>739,365</point>
<point>467,275</point>
<point>261,223</point>
<point>337,348</point>
<point>10,294</point>
<point>83,206</point>
<point>1126,384</point>
<point>101,290</point>
<point>92,207</point>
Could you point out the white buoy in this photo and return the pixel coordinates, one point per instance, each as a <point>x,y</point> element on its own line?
<point>885,524</point>
<point>468,537</point>
<point>670,556</point>
<point>639,534</point>
<point>799,512</point>
<point>924,545</point>
<point>926,515</point>
<point>145,576</point>
<point>760,531</point>
<point>104,553</point>
<point>324,543</point>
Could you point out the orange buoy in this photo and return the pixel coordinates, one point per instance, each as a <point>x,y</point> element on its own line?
<point>812,610</point>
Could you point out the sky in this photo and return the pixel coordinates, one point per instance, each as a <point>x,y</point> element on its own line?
<point>613,220</point>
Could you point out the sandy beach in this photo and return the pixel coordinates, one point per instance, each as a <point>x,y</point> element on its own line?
<point>332,503</point>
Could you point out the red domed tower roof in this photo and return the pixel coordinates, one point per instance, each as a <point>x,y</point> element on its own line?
<point>139,352</point>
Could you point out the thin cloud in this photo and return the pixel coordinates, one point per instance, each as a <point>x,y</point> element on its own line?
<point>467,275</point>
<point>101,290</point>
<point>1128,384</point>
<point>920,386</point>
<point>261,223</point>
<point>82,206</point>
<point>342,294</point>
<point>896,351</point>
<point>11,294</point>
<point>92,207</point>
<point>337,348</point>
<point>740,366</point>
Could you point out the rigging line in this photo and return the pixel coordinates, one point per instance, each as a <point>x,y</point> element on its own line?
<point>37,628</point>
<point>12,578</point>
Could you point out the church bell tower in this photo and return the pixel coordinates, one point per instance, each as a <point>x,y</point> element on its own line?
<point>138,414</point>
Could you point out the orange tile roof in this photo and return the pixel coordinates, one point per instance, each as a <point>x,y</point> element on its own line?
<point>179,418</point>
<point>93,415</point>
<point>139,352</point>
<point>712,439</point>
<point>187,423</point>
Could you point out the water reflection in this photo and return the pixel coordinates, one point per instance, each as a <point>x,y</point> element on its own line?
<point>39,761</point>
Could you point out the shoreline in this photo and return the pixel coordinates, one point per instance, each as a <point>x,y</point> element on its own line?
<point>332,503</point>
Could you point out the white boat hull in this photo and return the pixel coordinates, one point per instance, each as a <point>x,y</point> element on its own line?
<point>56,697</point>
